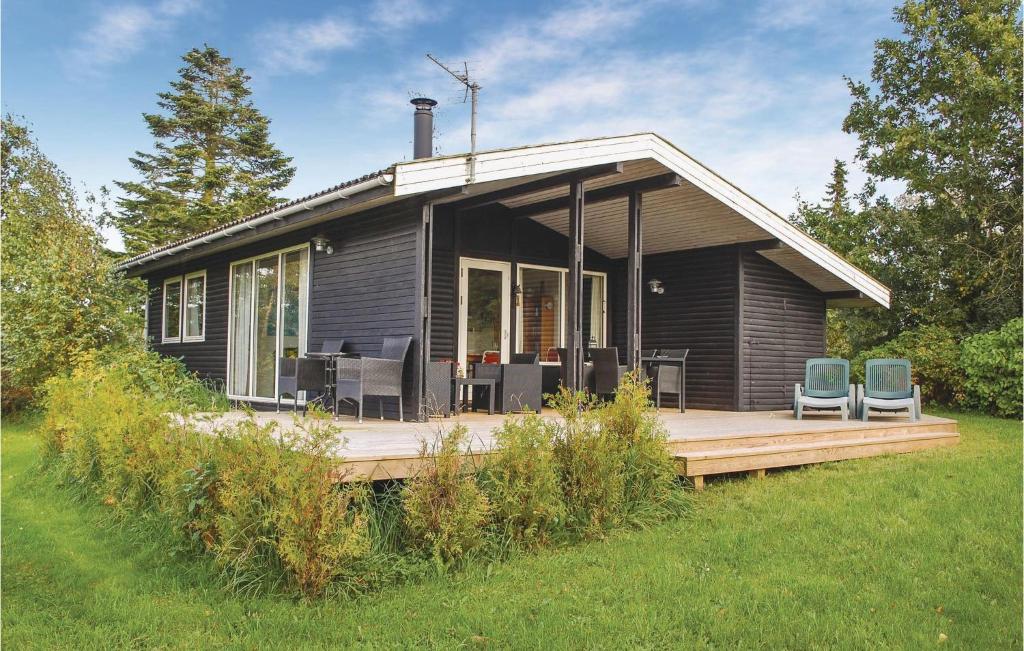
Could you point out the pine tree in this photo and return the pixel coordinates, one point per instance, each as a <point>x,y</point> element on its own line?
<point>213,161</point>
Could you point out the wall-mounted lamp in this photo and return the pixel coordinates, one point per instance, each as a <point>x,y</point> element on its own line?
<point>517,295</point>
<point>322,245</point>
<point>656,286</point>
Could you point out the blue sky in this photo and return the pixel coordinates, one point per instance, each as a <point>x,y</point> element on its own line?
<point>752,89</point>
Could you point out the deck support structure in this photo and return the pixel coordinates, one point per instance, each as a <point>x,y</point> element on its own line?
<point>634,290</point>
<point>574,320</point>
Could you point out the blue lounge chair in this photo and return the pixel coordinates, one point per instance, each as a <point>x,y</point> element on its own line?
<point>826,387</point>
<point>888,387</point>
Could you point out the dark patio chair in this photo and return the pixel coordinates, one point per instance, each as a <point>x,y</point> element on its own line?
<point>671,378</point>
<point>332,345</point>
<point>373,376</point>
<point>647,367</point>
<point>439,388</point>
<point>826,387</point>
<point>888,387</point>
<point>563,368</point>
<point>518,385</point>
<point>607,370</point>
<point>299,374</point>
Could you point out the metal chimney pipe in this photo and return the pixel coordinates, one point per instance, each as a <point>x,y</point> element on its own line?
<point>423,127</point>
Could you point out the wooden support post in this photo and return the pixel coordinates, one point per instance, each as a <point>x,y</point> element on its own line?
<point>634,291</point>
<point>698,482</point>
<point>756,474</point>
<point>427,253</point>
<point>574,320</point>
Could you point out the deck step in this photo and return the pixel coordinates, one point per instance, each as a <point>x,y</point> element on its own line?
<point>694,463</point>
<point>844,431</point>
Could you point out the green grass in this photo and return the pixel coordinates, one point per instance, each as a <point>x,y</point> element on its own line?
<point>880,552</point>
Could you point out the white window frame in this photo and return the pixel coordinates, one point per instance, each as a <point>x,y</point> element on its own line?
<point>564,284</point>
<point>303,317</point>
<point>184,307</point>
<point>163,310</point>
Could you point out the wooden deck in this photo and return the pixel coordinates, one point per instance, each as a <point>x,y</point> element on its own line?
<point>703,442</point>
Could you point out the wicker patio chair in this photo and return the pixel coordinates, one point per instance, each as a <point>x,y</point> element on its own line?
<point>888,387</point>
<point>299,374</point>
<point>359,377</point>
<point>518,385</point>
<point>671,378</point>
<point>826,387</point>
<point>607,370</point>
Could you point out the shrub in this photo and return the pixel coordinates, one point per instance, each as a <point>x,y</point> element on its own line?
<point>993,365</point>
<point>590,465</point>
<point>280,515</point>
<point>649,471</point>
<point>445,510</point>
<point>934,357</point>
<point>521,483</point>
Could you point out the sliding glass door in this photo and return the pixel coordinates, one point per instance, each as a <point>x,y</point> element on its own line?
<point>268,319</point>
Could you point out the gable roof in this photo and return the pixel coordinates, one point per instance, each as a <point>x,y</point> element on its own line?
<point>800,253</point>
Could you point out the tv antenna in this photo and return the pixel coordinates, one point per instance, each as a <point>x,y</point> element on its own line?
<point>471,90</point>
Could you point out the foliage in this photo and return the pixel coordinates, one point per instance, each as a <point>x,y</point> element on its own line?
<point>867,564</point>
<point>590,463</point>
<point>934,356</point>
<point>445,510</point>
<point>521,483</point>
<point>280,514</point>
<point>61,294</point>
<point>943,115</point>
<point>994,367</point>
<point>213,159</point>
<point>649,472</point>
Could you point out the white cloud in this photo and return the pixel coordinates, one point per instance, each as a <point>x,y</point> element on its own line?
<point>751,107</point>
<point>302,47</point>
<point>306,47</point>
<point>123,30</point>
<point>401,14</point>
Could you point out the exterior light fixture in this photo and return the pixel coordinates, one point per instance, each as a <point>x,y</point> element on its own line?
<point>656,286</point>
<point>322,245</point>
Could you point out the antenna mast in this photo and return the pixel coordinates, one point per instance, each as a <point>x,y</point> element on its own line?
<point>472,88</point>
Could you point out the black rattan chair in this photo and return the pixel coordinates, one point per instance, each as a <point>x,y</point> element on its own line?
<point>333,346</point>
<point>298,374</point>
<point>607,370</point>
<point>671,378</point>
<point>518,386</point>
<point>358,377</point>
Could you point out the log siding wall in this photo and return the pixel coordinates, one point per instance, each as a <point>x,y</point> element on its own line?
<point>364,291</point>
<point>783,325</point>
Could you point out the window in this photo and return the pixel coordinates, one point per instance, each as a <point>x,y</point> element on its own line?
<point>195,306</point>
<point>541,326</point>
<point>541,314</point>
<point>267,319</point>
<point>172,311</point>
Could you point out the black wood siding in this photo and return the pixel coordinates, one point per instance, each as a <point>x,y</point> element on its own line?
<point>697,311</point>
<point>783,325</point>
<point>491,234</point>
<point>364,291</point>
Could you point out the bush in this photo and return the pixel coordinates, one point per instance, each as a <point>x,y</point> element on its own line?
<point>934,356</point>
<point>267,507</point>
<point>521,483</point>
<point>649,471</point>
<point>279,513</point>
<point>993,365</point>
<point>445,510</point>
<point>590,465</point>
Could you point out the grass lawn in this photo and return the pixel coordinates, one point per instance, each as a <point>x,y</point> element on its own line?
<point>892,552</point>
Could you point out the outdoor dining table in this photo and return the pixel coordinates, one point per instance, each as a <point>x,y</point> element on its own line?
<point>658,360</point>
